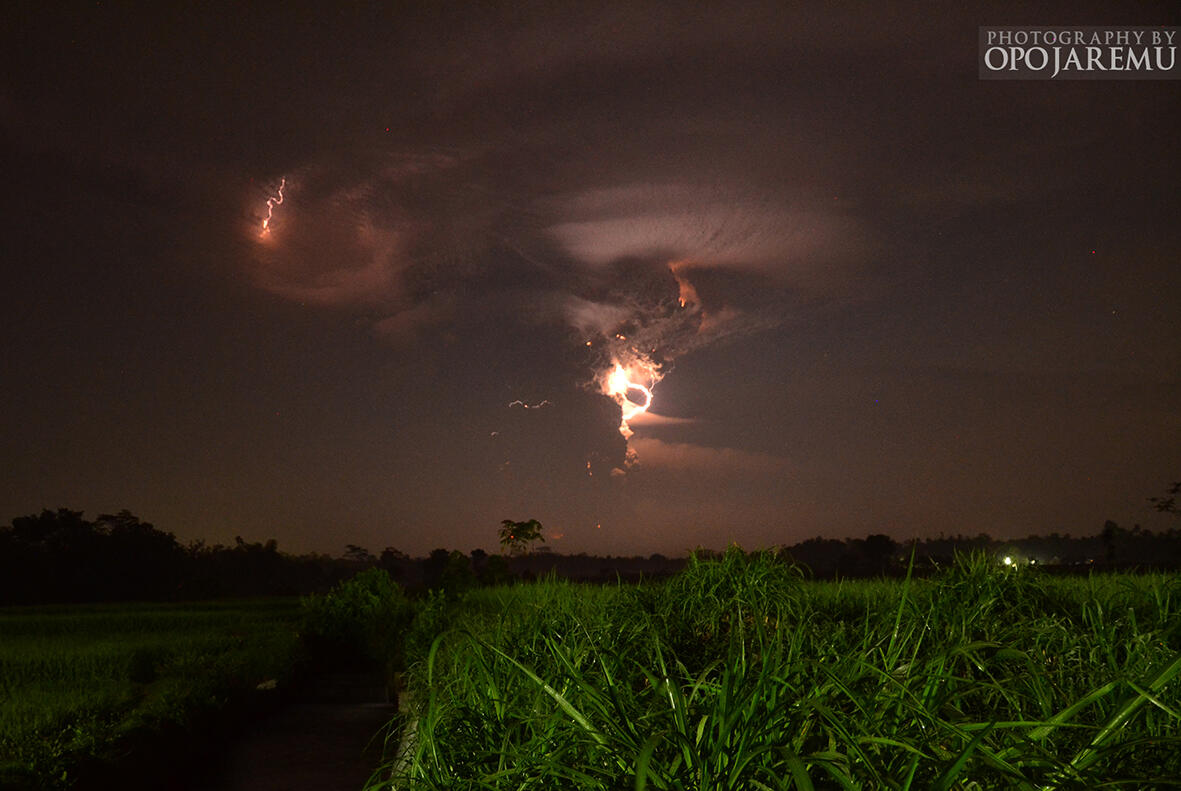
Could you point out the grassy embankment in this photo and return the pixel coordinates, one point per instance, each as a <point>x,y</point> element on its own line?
<point>739,674</point>
<point>82,686</point>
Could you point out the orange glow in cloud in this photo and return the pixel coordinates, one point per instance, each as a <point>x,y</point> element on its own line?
<point>687,294</point>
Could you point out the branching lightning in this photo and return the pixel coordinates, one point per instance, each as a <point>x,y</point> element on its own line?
<point>621,382</point>
<point>619,385</point>
<point>272,202</point>
<point>538,405</point>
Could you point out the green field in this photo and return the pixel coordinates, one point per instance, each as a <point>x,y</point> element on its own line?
<point>78,684</point>
<point>740,674</point>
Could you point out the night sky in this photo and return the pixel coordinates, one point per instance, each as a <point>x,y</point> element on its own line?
<point>878,294</point>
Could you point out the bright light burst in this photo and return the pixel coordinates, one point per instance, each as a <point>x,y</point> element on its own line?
<point>272,202</point>
<point>621,384</point>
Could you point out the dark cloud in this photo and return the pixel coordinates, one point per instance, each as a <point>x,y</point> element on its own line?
<point>812,231</point>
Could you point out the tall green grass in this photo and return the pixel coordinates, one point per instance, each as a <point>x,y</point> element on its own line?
<point>76,681</point>
<point>739,674</point>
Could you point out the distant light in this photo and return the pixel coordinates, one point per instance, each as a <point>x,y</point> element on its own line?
<point>1033,561</point>
<point>1008,560</point>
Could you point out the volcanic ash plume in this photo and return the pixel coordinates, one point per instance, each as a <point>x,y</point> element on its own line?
<point>647,317</point>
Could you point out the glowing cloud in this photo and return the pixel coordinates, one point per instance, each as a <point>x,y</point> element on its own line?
<point>735,227</point>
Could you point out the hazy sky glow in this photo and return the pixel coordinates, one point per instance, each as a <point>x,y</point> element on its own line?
<point>869,292</point>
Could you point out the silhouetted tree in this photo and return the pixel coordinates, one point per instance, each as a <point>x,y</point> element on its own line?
<point>479,560</point>
<point>496,571</point>
<point>458,575</point>
<point>358,554</point>
<point>878,550</point>
<point>1168,504</point>
<point>55,531</point>
<point>1110,537</point>
<point>142,562</point>
<point>517,537</point>
<point>433,567</point>
<point>395,563</point>
<point>820,555</point>
<point>389,555</point>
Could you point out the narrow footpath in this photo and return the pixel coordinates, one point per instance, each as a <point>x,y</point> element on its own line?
<point>331,740</point>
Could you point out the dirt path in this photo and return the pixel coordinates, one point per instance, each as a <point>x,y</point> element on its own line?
<point>332,741</point>
<point>304,747</point>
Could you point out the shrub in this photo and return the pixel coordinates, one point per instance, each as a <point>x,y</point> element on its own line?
<point>430,620</point>
<point>361,618</point>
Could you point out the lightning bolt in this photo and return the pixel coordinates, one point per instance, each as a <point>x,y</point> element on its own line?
<point>520,403</point>
<point>620,383</point>
<point>272,202</point>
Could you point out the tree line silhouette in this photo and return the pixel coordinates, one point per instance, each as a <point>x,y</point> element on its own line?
<point>60,556</point>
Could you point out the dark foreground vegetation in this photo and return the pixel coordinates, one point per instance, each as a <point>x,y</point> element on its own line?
<point>87,692</point>
<point>741,674</point>
<point>139,695</point>
<point>829,664</point>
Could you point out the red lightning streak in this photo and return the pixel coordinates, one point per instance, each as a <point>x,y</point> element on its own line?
<point>272,202</point>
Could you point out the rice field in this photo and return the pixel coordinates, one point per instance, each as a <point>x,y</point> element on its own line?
<point>741,674</point>
<point>77,681</point>
<point>738,673</point>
